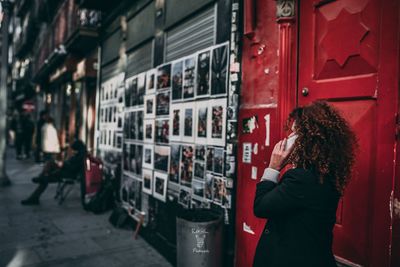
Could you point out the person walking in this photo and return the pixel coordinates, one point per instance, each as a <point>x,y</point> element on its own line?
<point>17,127</point>
<point>38,140</point>
<point>301,207</point>
<point>28,130</point>
<point>50,142</point>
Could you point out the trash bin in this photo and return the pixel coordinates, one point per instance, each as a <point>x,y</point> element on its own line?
<point>199,238</point>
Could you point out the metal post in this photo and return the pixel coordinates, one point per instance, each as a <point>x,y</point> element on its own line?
<point>6,6</point>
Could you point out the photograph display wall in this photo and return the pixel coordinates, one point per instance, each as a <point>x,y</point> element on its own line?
<point>174,131</point>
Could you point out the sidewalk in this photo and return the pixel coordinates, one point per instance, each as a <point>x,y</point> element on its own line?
<point>50,235</point>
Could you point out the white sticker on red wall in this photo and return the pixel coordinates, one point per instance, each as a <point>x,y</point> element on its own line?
<point>246,153</point>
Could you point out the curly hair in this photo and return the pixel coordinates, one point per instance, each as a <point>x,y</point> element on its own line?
<point>325,143</point>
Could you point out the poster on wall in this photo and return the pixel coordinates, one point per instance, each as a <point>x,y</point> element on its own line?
<point>176,122</point>
<point>162,103</point>
<point>160,186</point>
<point>189,77</point>
<point>217,119</point>
<point>219,70</point>
<point>201,122</point>
<point>148,154</point>
<point>147,181</point>
<point>164,77</point>
<point>149,106</point>
<point>149,131</point>
<point>188,110</point>
<point>174,163</point>
<point>203,74</point>
<point>186,165</point>
<point>177,80</point>
<point>162,131</point>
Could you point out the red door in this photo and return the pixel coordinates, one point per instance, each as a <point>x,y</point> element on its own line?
<point>347,55</point>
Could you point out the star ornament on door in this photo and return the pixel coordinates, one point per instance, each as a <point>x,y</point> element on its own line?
<point>344,36</point>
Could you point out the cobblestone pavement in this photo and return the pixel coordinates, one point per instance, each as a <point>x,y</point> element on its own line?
<point>50,235</point>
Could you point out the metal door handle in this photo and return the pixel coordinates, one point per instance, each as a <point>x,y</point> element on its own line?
<point>304,91</point>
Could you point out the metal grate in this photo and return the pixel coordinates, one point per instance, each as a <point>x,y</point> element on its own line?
<point>193,35</point>
<point>140,59</point>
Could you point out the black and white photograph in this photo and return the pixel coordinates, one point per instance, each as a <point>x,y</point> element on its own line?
<point>139,125</point>
<point>135,195</point>
<point>218,160</point>
<point>161,158</point>
<point>176,122</point>
<point>141,88</point>
<point>186,166</point>
<point>210,159</point>
<point>127,125</point>
<point>164,77</point>
<point>162,103</point>
<point>133,129</point>
<point>136,156</point>
<point>199,170</point>
<point>177,80</point>
<point>147,181</point>
<point>199,204</point>
<point>230,165</point>
<point>148,154</point>
<point>148,131</point>
<point>208,187</point>
<point>201,124</point>
<point>174,163</point>
<point>162,131</point>
<point>203,74</point>
<point>227,199</point>
<point>149,106</point>
<point>184,197</point>
<point>219,70</point>
<point>160,186</point>
<point>188,125</point>
<point>200,153</point>
<point>126,158</point>
<point>217,130</point>
<point>198,188</point>
<point>189,77</point>
<point>151,81</point>
<point>119,140</point>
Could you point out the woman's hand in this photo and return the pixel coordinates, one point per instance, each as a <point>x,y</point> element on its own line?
<point>279,155</point>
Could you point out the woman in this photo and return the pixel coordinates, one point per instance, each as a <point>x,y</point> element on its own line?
<point>50,142</point>
<point>301,207</point>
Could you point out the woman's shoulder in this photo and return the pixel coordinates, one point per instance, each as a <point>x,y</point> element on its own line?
<point>302,174</point>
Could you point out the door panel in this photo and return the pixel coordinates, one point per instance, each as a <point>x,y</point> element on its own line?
<point>338,62</point>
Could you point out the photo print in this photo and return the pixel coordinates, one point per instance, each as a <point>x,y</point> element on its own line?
<point>127,125</point>
<point>135,195</point>
<point>203,74</point>
<point>230,165</point>
<point>126,159</point>
<point>119,140</point>
<point>131,92</point>
<point>215,159</point>
<point>151,81</point>
<point>186,166</point>
<point>198,188</point>
<point>124,190</point>
<point>149,106</point>
<point>139,124</point>
<point>184,197</point>
<point>201,123</point>
<point>219,70</point>
<point>148,154</point>
<point>136,155</point>
<point>164,77</point>
<point>133,130</point>
<point>162,131</point>
<point>148,131</point>
<point>210,159</point>
<point>141,86</point>
<point>188,123</point>
<point>174,163</point>
<point>200,152</point>
<point>217,129</point>
<point>162,103</point>
<point>147,181</point>
<point>161,158</point>
<point>177,80</point>
<point>227,199</point>
<point>176,122</point>
<point>219,189</point>
<point>208,187</point>
<point>199,204</point>
<point>189,76</point>
<point>160,186</point>
<point>199,170</point>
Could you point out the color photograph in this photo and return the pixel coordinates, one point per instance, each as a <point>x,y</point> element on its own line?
<point>177,80</point>
<point>200,152</point>
<point>217,130</point>
<point>162,131</point>
<point>189,76</point>
<point>151,81</point>
<point>208,187</point>
<point>186,166</point>
<point>174,163</point>
<point>188,126</point>
<point>161,158</point>
<point>164,77</point>
<point>203,74</point>
<point>219,70</point>
<point>201,124</point>
<point>162,103</point>
<point>175,123</point>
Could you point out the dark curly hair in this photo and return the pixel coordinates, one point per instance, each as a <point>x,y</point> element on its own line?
<point>325,144</point>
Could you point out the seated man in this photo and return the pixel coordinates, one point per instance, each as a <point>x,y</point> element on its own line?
<point>53,172</point>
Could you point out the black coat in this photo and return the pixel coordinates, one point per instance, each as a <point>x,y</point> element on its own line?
<point>301,215</point>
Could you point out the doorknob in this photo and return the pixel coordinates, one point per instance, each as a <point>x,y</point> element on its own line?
<point>304,91</point>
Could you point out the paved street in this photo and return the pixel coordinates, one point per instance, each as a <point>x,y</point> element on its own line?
<point>50,235</point>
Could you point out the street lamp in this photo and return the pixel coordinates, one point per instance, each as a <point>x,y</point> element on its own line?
<point>6,9</point>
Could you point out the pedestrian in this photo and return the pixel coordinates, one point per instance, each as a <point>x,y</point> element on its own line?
<point>17,127</point>
<point>38,140</point>
<point>50,142</point>
<point>301,207</point>
<point>28,130</point>
<point>53,171</point>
